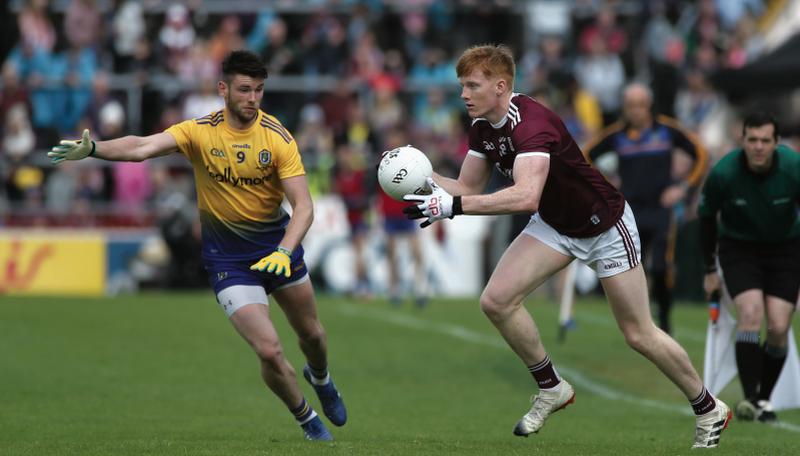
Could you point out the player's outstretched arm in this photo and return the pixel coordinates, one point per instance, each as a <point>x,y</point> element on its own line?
<point>127,148</point>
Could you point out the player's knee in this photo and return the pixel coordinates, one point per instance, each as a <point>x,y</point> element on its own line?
<point>778,330</point>
<point>270,353</point>
<point>749,320</point>
<point>313,337</point>
<point>638,338</point>
<point>493,306</point>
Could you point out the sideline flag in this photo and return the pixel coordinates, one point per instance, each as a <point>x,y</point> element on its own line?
<point>719,366</point>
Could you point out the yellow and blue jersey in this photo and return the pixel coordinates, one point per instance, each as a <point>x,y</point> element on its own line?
<point>238,179</point>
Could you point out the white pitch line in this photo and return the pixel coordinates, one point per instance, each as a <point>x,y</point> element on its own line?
<point>607,321</point>
<point>575,376</point>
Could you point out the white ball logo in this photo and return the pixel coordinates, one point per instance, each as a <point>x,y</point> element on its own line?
<point>404,171</point>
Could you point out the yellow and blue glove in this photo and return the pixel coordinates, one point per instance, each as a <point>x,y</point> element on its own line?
<point>279,262</point>
<point>72,150</point>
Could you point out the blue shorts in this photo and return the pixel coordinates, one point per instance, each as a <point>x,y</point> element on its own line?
<point>223,274</point>
<point>399,225</point>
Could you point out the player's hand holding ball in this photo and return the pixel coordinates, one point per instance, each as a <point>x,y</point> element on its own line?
<point>437,205</point>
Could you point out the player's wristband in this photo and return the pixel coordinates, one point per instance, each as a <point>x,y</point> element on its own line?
<point>711,268</point>
<point>284,251</point>
<point>457,209</point>
<point>94,146</point>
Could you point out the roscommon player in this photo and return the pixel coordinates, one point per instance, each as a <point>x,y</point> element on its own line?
<point>578,214</point>
<point>244,163</point>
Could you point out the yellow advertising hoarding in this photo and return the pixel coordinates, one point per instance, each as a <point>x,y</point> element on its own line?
<point>52,262</point>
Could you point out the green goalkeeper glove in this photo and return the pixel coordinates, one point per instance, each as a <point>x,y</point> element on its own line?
<point>72,150</point>
<point>278,262</point>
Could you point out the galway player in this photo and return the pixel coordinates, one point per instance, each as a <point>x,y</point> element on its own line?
<point>578,214</point>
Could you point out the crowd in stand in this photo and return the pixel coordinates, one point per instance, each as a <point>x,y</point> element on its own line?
<point>396,83</point>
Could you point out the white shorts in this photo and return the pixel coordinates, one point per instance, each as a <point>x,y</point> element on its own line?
<point>610,253</point>
<point>235,297</point>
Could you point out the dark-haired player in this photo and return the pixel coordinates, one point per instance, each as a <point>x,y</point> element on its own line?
<point>244,163</point>
<point>755,191</point>
<point>578,214</point>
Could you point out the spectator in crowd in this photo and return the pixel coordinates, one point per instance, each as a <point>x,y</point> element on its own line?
<point>645,146</point>
<point>316,141</point>
<point>226,38</point>
<point>431,67</point>
<point>744,45</point>
<point>605,29</point>
<point>199,65</point>
<point>13,91</point>
<point>101,96</point>
<point>176,36</point>
<point>257,37</point>
<point>179,224</point>
<point>697,100</point>
<point>127,28</point>
<point>547,64</point>
<point>386,111</point>
<point>602,74</point>
<point>83,24</point>
<point>132,182</point>
<point>666,50</point>
<point>18,139</point>
<point>337,105</point>
<point>36,27</point>
<point>705,112</point>
<point>280,54</point>
<point>324,49</point>
<point>731,11</point>
<point>80,66</point>
<point>434,114</point>
<point>352,183</point>
<point>203,100</point>
<point>754,191</point>
<point>61,190</point>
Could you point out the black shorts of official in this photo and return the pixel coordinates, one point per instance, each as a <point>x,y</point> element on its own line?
<point>656,233</point>
<point>773,268</point>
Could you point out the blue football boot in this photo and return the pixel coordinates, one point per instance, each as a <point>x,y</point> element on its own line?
<point>315,429</point>
<point>331,400</point>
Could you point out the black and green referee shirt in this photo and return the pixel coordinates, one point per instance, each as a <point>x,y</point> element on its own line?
<point>754,207</point>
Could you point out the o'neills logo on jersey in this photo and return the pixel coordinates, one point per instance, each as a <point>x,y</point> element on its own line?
<point>226,177</point>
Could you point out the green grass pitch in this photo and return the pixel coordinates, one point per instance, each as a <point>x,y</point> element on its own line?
<point>165,374</point>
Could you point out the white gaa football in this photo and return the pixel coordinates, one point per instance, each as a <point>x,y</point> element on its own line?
<point>404,171</point>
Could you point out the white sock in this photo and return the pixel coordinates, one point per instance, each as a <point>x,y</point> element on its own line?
<point>320,381</point>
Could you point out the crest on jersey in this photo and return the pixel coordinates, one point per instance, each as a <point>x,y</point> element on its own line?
<point>264,158</point>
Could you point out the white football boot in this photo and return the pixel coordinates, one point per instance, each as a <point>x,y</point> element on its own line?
<point>710,426</point>
<point>545,403</point>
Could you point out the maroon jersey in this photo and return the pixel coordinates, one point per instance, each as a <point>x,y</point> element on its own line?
<point>577,200</point>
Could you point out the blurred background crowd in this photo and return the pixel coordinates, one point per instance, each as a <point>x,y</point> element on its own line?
<point>349,78</point>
